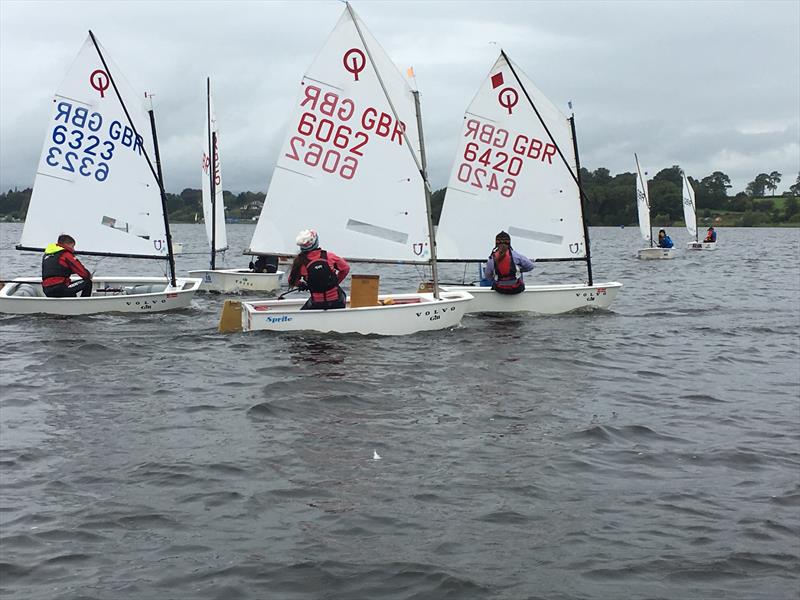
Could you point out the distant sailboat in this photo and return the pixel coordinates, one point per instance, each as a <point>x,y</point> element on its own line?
<point>690,216</point>
<point>517,170</point>
<point>96,181</point>
<point>646,229</point>
<point>222,280</point>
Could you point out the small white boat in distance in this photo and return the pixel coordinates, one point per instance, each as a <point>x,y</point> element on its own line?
<point>690,216</point>
<point>643,205</point>
<point>96,182</point>
<point>701,246</point>
<point>214,279</point>
<point>508,176</point>
<point>24,296</point>
<point>351,168</point>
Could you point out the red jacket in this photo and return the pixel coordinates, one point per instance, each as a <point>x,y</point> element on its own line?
<point>338,265</point>
<point>58,263</point>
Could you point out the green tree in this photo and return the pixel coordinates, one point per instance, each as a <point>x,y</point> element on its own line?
<point>795,189</point>
<point>758,186</point>
<point>712,191</point>
<point>774,180</point>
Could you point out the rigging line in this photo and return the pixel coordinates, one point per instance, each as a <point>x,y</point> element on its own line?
<point>124,108</point>
<point>386,94</point>
<point>547,130</point>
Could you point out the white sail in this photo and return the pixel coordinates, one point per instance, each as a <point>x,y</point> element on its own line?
<point>642,202</point>
<point>345,168</point>
<point>689,207</point>
<point>507,175</point>
<point>93,180</point>
<point>220,238</point>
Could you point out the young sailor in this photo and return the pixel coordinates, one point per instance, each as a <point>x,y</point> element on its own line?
<point>664,241</point>
<point>264,264</point>
<point>711,236</point>
<point>58,263</point>
<point>321,273</point>
<point>506,266</point>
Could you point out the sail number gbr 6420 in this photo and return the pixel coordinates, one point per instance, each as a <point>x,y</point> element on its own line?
<point>332,135</point>
<point>493,158</point>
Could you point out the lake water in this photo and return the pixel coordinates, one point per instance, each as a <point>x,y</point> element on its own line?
<point>652,451</point>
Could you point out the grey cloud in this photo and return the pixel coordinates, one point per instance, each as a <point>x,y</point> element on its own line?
<point>677,82</point>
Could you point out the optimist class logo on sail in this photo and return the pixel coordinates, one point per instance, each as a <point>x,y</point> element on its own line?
<point>83,141</point>
<point>333,132</point>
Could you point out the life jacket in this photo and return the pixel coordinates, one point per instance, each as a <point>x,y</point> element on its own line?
<point>54,272</point>
<point>505,271</point>
<point>320,278</point>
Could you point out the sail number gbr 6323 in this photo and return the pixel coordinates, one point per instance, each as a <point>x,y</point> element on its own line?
<point>332,135</point>
<point>85,143</point>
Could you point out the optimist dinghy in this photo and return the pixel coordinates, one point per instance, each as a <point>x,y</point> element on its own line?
<point>214,279</point>
<point>653,252</point>
<point>517,170</point>
<point>690,216</point>
<point>352,168</point>
<point>96,181</point>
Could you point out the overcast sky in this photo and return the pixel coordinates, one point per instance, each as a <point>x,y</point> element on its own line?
<point>705,85</point>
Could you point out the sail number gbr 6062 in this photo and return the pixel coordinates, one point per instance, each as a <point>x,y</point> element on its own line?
<point>332,137</point>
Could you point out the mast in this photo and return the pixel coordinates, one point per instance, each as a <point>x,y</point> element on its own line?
<point>163,199</point>
<point>582,196</point>
<point>646,196</point>
<point>431,237</point>
<point>212,170</point>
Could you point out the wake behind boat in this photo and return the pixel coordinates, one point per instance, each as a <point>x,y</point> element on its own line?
<point>214,279</point>
<point>517,169</point>
<point>351,168</point>
<point>95,180</point>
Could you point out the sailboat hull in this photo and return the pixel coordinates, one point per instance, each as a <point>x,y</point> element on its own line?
<point>541,299</point>
<point>701,246</point>
<point>24,296</point>
<point>237,280</point>
<point>400,314</point>
<point>656,253</point>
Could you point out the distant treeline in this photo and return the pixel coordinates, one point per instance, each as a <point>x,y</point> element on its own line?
<point>612,201</point>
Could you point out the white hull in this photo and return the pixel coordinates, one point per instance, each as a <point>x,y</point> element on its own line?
<point>422,313</point>
<point>541,299</point>
<point>656,253</point>
<point>237,280</point>
<point>24,296</point>
<point>701,246</point>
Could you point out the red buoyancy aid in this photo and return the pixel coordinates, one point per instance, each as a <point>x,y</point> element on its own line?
<point>505,271</point>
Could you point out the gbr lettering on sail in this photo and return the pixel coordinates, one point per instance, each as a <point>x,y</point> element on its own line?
<point>83,141</point>
<point>333,131</point>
